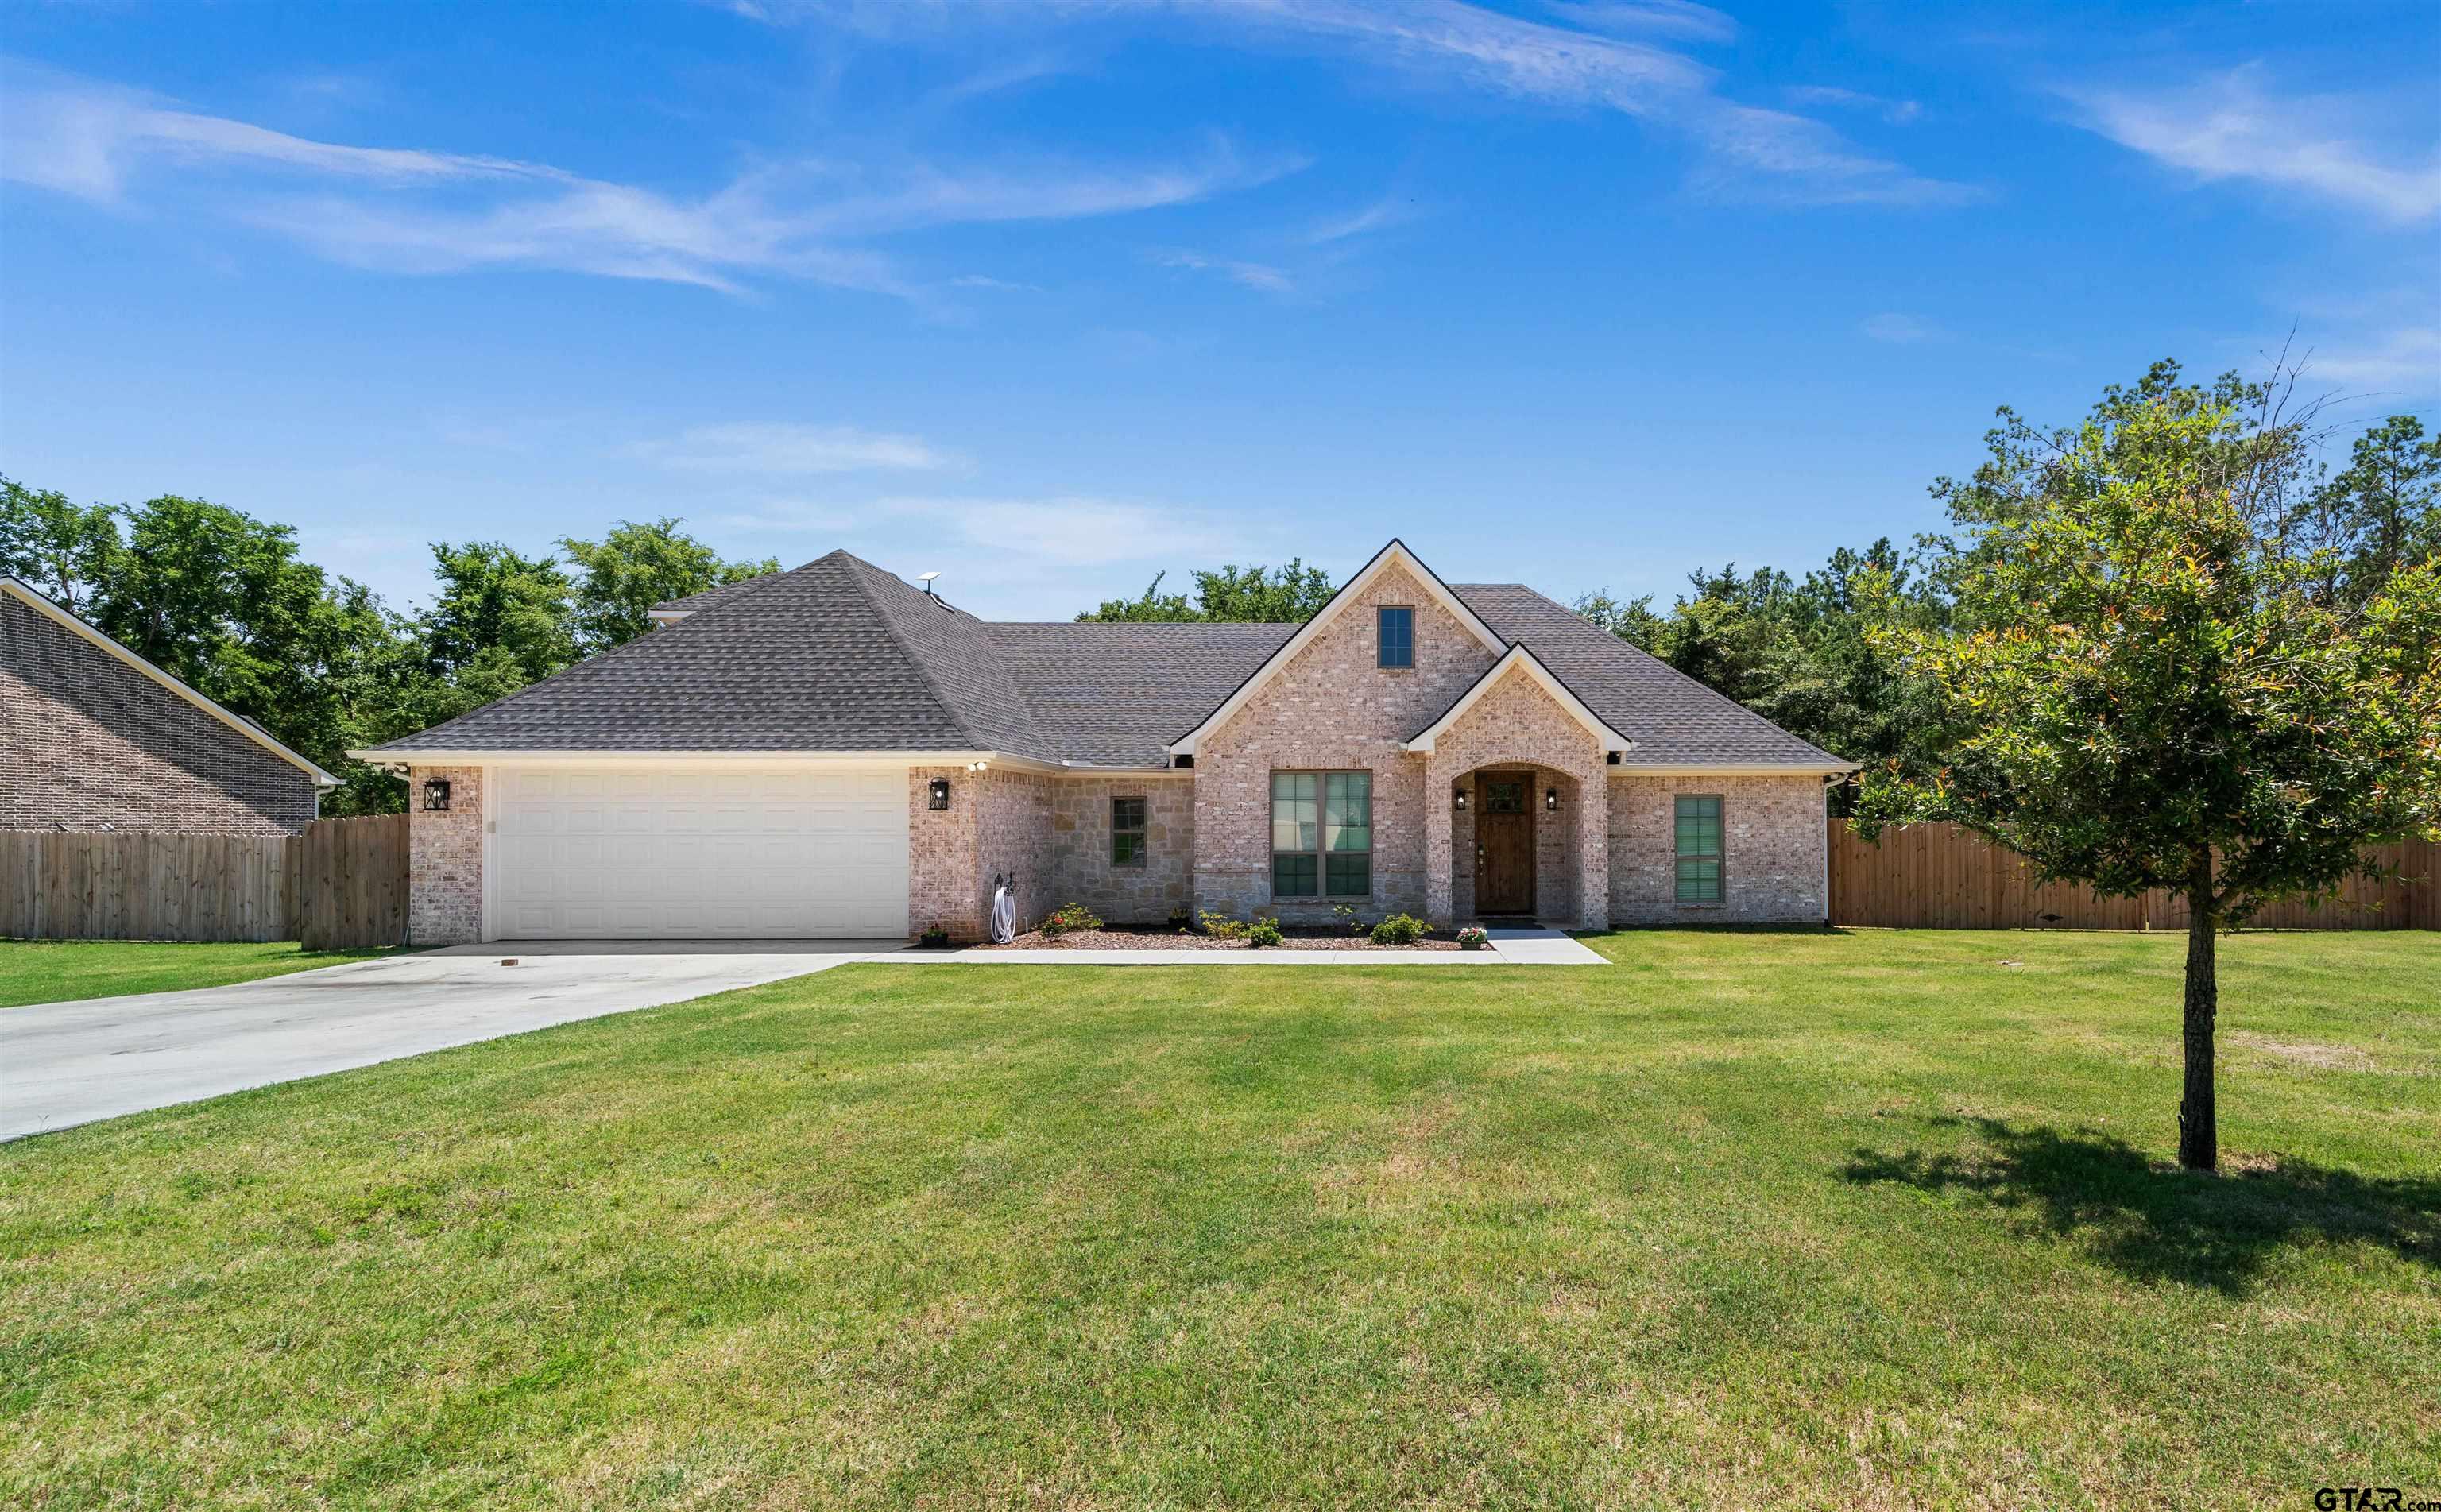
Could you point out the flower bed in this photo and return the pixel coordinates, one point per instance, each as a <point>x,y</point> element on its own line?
<point>1188,940</point>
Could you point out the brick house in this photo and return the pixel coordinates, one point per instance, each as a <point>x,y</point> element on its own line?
<point>94,737</point>
<point>829,751</point>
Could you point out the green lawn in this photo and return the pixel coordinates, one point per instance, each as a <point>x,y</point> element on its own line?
<point>1807,1219</point>
<point>61,970</point>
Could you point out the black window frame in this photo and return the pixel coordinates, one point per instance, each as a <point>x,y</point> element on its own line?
<point>1327,880</point>
<point>1405,641</point>
<point>1718,856</point>
<point>1134,857</point>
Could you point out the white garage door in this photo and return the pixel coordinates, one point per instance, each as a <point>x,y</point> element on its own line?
<point>644,855</point>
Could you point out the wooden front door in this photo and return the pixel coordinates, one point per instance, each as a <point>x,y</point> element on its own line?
<point>1504,844</point>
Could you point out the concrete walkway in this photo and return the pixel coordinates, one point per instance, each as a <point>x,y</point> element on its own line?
<point>68,1063</point>
<point>1523,946</point>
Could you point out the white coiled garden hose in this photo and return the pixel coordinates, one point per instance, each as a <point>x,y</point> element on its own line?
<point>1004,916</point>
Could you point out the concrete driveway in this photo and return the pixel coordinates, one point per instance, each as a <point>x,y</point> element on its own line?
<point>68,1063</point>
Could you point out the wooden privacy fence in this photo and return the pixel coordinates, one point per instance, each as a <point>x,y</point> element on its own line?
<point>340,885</point>
<point>1939,876</point>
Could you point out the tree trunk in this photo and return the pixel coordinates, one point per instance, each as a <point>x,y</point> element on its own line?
<point>2198,1124</point>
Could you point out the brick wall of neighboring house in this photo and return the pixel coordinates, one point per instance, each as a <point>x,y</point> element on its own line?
<point>1330,708</point>
<point>1148,892</point>
<point>998,822</point>
<point>87,740</point>
<point>1771,843</point>
<point>1517,724</point>
<point>444,859</point>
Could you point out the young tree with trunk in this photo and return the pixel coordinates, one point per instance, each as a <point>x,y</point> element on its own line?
<point>2146,691</point>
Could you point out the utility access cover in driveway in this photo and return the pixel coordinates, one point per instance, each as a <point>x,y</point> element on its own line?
<point>68,1063</point>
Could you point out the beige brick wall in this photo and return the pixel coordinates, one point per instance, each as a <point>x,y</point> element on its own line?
<point>1331,708</point>
<point>1080,818</point>
<point>444,859</point>
<point>1771,843</point>
<point>999,822</point>
<point>1517,723</point>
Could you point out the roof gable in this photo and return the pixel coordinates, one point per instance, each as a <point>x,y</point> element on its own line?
<point>1394,555</point>
<point>1522,660</point>
<point>244,726</point>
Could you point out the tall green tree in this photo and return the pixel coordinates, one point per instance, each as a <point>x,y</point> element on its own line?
<point>1287,594</point>
<point>498,615</point>
<point>2378,515</point>
<point>635,565</point>
<point>2145,690</point>
<point>62,548</point>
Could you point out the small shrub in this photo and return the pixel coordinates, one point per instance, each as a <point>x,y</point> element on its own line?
<point>1071,916</point>
<point>1221,927</point>
<point>1347,918</point>
<point>1399,929</point>
<point>1263,933</point>
<point>1472,937</point>
<point>935,938</point>
<point>1180,921</point>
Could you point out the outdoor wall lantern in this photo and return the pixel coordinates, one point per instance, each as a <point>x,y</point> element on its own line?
<point>940,793</point>
<point>1457,795</point>
<point>436,795</point>
<point>1550,801</point>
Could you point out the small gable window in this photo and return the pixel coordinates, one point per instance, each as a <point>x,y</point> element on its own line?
<point>1395,625</point>
<point>1699,848</point>
<point>1127,832</point>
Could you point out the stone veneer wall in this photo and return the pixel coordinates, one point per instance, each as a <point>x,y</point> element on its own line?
<point>1080,819</point>
<point>1772,850</point>
<point>1517,723</point>
<point>444,860</point>
<point>998,822</point>
<point>1331,708</point>
<point>88,742</point>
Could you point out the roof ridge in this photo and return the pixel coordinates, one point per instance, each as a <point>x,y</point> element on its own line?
<point>890,627</point>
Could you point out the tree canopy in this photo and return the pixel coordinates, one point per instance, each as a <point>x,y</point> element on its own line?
<point>225,603</point>
<point>1287,594</point>
<point>2153,678</point>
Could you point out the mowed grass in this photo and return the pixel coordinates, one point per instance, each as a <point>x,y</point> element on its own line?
<point>1806,1220</point>
<point>61,970</point>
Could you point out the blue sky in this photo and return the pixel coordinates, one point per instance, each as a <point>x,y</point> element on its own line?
<point>1048,295</point>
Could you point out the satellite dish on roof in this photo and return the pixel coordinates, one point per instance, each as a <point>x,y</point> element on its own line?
<point>926,578</point>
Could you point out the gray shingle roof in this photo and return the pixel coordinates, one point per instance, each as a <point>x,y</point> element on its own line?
<point>838,655</point>
<point>1671,716</point>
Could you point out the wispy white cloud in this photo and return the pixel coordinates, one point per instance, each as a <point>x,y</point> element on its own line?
<point>1646,18</point>
<point>1379,216</point>
<point>1900,330</point>
<point>1261,275</point>
<point>1595,61</point>
<point>2401,359</point>
<point>779,449</point>
<point>1896,112</point>
<point>423,211</point>
<point>2230,126</point>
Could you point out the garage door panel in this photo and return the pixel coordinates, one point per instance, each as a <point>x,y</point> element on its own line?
<point>645,854</point>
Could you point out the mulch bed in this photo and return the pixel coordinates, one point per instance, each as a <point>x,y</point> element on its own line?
<point>1182,939</point>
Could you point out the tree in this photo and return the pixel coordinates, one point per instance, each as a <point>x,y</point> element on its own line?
<point>635,567</point>
<point>2379,513</point>
<point>2145,690</point>
<point>499,613</point>
<point>1288,594</point>
<point>60,547</point>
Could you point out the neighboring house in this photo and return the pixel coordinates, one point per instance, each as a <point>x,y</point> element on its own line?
<point>831,752</point>
<point>94,737</point>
